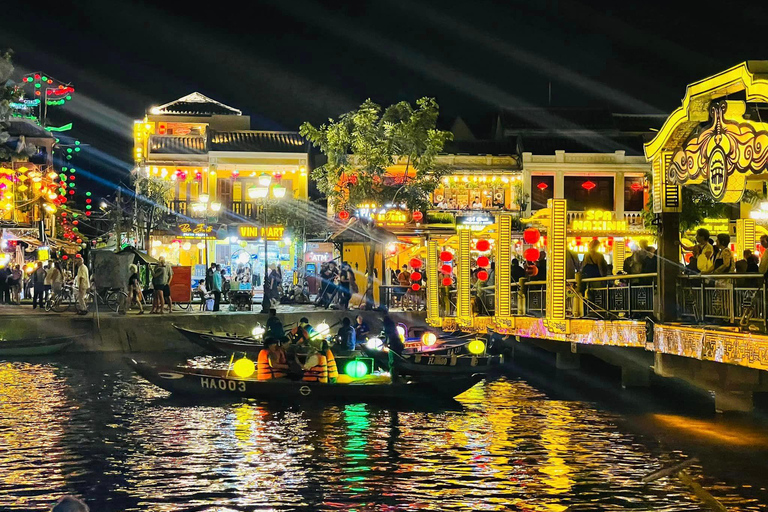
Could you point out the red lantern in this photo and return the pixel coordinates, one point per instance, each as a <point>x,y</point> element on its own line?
<point>446,269</point>
<point>531,235</point>
<point>447,281</point>
<point>416,276</point>
<point>415,263</point>
<point>482,261</point>
<point>415,287</point>
<point>65,257</point>
<point>531,270</point>
<point>446,256</point>
<point>483,245</point>
<point>417,216</point>
<point>482,275</point>
<point>344,215</point>
<point>531,254</point>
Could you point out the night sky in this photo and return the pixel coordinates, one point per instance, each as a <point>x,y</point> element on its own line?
<point>286,61</point>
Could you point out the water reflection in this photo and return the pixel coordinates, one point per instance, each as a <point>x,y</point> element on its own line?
<point>98,431</point>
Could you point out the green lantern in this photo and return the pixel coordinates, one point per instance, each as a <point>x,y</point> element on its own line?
<point>356,369</point>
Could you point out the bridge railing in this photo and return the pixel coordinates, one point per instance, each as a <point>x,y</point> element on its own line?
<point>622,296</point>
<point>735,299</point>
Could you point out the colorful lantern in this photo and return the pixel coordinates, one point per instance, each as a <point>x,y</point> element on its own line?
<point>482,275</point>
<point>344,215</point>
<point>415,263</point>
<point>446,269</point>
<point>356,369</point>
<point>417,216</point>
<point>446,256</point>
<point>416,276</point>
<point>483,245</point>
<point>415,287</point>
<point>428,339</point>
<point>447,281</point>
<point>531,235</point>
<point>531,254</point>
<point>476,347</point>
<point>243,368</point>
<point>482,261</point>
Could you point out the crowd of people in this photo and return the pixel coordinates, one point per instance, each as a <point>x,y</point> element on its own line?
<point>43,283</point>
<point>337,285</point>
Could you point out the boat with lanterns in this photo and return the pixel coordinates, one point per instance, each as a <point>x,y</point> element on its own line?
<point>239,382</point>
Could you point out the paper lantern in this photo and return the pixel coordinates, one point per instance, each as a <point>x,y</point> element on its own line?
<point>531,254</point>
<point>483,245</point>
<point>446,269</point>
<point>416,276</point>
<point>447,281</point>
<point>243,368</point>
<point>356,369</point>
<point>415,287</point>
<point>428,339</point>
<point>482,275</point>
<point>476,347</point>
<point>531,271</point>
<point>446,256</point>
<point>344,215</point>
<point>374,343</point>
<point>531,235</point>
<point>415,263</point>
<point>482,261</point>
<point>417,216</point>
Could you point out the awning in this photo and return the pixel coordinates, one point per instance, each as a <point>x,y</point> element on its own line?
<point>138,255</point>
<point>356,231</point>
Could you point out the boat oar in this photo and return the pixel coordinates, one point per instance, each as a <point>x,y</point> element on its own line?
<point>669,470</point>
<point>685,478</point>
<point>229,367</point>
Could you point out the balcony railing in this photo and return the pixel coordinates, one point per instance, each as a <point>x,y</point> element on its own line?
<point>735,299</point>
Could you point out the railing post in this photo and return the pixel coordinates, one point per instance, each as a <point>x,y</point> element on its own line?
<point>578,301</point>
<point>521,297</point>
<point>731,301</point>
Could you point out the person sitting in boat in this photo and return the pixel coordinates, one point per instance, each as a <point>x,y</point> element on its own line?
<point>274,327</point>
<point>315,367</point>
<point>393,343</point>
<point>361,329</point>
<point>301,331</point>
<point>272,362</point>
<point>347,336</point>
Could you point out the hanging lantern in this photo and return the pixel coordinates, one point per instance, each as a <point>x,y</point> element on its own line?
<point>446,269</point>
<point>483,245</point>
<point>531,254</point>
<point>482,275</point>
<point>344,215</point>
<point>415,287</point>
<point>482,261</point>
<point>415,263</point>
<point>416,276</point>
<point>531,235</point>
<point>447,281</point>
<point>417,216</point>
<point>446,256</point>
<point>531,270</point>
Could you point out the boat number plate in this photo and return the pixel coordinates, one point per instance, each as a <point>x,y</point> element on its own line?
<point>305,390</point>
<point>221,384</point>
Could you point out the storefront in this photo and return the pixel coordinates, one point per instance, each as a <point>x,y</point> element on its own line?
<point>187,245</point>
<point>475,193</point>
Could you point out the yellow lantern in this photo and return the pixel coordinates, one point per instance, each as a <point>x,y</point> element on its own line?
<point>428,339</point>
<point>476,347</point>
<point>243,368</point>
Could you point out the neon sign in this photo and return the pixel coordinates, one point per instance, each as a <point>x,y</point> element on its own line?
<point>599,220</point>
<point>199,231</point>
<point>253,232</point>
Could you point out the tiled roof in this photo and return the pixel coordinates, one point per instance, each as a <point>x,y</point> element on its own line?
<point>170,144</point>
<point>17,127</point>
<point>591,143</point>
<point>195,104</point>
<point>480,147</point>
<point>257,141</point>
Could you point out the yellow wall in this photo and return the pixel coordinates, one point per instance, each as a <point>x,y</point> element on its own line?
<point>354,253</point>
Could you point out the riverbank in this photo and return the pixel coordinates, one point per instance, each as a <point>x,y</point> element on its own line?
<point>110,332</point>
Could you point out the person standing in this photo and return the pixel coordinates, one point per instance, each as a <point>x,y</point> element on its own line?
<point>274,328</point>
<point>158,283</point>
<point>47,283</point>
<point>15,280</point>
<point>83,283</point>
<point>347,335</point>
<point>216,287</point>
<point>38,286</point>
<point>5,278</point>
<point>361,328</point>
<point>134,289</point>
<point>167,287</point>
<point>56,277</point>
<point>724,262</point>
<point>345,279</point>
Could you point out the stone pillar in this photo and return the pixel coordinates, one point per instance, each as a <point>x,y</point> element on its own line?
<point>567,361</point>
<point>618,195</point>
<point>665,305</point>
<point>635,377</point>
<point>433,282</point>
<point>733,401</point>
<point>503,262</point>
<point>463,284</point>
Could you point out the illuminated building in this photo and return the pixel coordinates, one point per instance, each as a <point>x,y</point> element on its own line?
<point>215,164</point>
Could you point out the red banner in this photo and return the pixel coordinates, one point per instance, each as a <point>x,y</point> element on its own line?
<point>181,284</point>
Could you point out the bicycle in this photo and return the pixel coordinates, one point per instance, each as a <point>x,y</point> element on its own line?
<point>111,297</point>
<point>61,301</point>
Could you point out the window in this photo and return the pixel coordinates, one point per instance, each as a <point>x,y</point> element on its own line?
<point>634,194</point>
<point>588,192</point>
<point>542,189</point>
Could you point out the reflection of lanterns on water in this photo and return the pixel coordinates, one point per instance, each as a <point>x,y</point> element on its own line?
<point>428,339</point>
<point>476,347</point>
<point>243,368</point>
<point>323,329</point>
<point>374,343</point>
<point>258,331</point>
<point>356,369</point>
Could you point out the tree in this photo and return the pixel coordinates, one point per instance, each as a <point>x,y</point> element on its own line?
<point>150,210</point>
<point>8,93</point>
<point>363,144</point>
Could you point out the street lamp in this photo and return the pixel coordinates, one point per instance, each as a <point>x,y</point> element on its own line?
<point>259,194</point>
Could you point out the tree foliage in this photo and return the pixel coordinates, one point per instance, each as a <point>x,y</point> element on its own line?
<point>8,93</point>
<point>363,144</point>
<point>152,197</point>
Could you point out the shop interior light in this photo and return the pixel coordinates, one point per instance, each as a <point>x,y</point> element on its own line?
<point>187,246</point>
<point>278,191</point>
<point>203,198</point>
<point>258,192</point>
<point>265,179</point>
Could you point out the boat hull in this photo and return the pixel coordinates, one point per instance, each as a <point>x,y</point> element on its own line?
<point>34,347</point>
<point>437,364</point>
<point>218,383</point>
<point>220,343</point>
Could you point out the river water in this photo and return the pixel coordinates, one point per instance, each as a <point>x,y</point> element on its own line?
<point>87,426</point>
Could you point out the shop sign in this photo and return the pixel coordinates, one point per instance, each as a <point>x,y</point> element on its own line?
<point>392,218</point>
<point>714,226</point>
<point>247,232</point>
<point>317,257</point>
<point>198,231</point>
<point>599,220</point>
<point>475,220</point>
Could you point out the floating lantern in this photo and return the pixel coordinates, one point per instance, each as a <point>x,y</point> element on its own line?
<point>482,275</point>
<point>356,369</point>
<point>428,339</point>
<point>446,269</point>
<point>415,263</point>
<point>243,368</point>
<point>415,287</point>
<point>476,347</point>
<point>416,276</point>
<point>374,343</point>
<point>446,256</point>
<point>447,281</point>
<point>531,235</point>
<point>482,261</point>
<point>483,245</point>
<point>531,254</point>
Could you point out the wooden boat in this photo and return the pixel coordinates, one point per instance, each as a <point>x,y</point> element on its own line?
<point>221,342</point>
<point>205,382</point>
<point>431,364</point>
<point>34,347</point>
